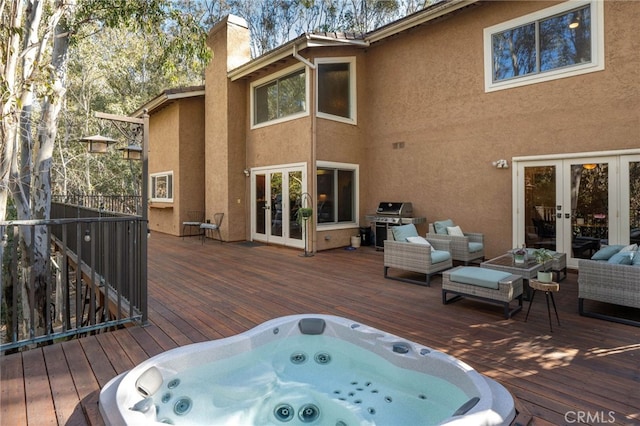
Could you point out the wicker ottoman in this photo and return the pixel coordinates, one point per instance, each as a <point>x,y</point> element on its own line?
<point>484,284</point>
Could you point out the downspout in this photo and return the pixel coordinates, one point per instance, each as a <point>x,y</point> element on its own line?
<point>312,130</point>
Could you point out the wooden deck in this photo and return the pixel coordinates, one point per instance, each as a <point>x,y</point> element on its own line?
<point>587,369</point>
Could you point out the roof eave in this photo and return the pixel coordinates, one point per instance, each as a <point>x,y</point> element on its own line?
<point>166,97</point>
<point>287,49</point>
<point>431,13</point>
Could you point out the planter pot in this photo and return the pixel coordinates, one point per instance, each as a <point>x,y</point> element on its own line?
<point>545,277</point>
<point>355,241</point>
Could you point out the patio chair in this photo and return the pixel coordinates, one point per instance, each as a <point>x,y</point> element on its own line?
<point>415,256</point>
<point>195,218</point>
<point>210,229</point>
<point>466,247</point>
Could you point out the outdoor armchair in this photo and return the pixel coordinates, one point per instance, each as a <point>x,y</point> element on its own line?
<point>416,257</point>
<point>466,247</point>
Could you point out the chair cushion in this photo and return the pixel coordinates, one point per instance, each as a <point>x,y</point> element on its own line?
<point>636,259</point>
<point>474,247</point>
<point>438,256</point>
<point>400,233</point>
<point>481,277</point>
<point>606,252</point>
<point>456,231</point>
<point>621,258</point>
<point>441,226</point>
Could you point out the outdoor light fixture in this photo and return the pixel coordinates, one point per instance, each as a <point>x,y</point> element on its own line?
<point>589,166</point>
<point>131,152</point>
<point>87,235</point>
<point>98,144</point>
<point>501,164</point>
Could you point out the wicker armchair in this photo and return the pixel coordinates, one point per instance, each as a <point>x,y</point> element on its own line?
<point>609,283</point>
<point>416,258</point>
<point>460,248</point>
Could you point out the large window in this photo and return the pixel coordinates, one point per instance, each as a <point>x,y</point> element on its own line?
<point>337,193</point>
<point>336,89</point>
<point>280,98</point>
<point>162,186</point>
<point>557,42</point>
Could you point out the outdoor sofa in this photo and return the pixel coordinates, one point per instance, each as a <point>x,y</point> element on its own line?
<point>608,277</point>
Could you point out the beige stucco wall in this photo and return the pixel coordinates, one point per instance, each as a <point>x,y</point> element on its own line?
<point>176,138</point>
<point>425,88</point>
<point>429,94</point>
<point>225,182</point>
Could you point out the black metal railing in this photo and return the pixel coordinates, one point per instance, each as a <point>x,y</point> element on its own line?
<point>126,204</point>
<point>92,275</point>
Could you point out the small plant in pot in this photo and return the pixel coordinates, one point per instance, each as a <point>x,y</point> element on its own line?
<point>544,258</point>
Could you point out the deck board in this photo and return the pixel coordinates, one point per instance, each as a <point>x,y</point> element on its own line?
<point>200,292</point>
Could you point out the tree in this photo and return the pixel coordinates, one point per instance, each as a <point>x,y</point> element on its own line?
<point>36,36</point>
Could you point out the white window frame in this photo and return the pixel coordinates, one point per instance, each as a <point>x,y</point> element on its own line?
<point>597,46</point>
<point>353,110</point>
<point>152,188</point>
<point>356,207</point>
<point>270,78</point>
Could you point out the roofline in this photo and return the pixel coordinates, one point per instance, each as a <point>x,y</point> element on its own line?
<point>436,11</point>
<point>167,96</point>
<point>316,40</point>
<point>286,50</point>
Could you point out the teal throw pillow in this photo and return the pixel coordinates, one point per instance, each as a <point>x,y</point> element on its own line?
<point>621,258</point>
<point>606,252</point>
<point>400,233</point>
<point>636,258</point>
<point>442,225</point>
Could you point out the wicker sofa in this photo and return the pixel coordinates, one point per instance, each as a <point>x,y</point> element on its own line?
<point>610,283</point>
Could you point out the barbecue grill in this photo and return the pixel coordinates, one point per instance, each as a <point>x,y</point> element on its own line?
<point>391,214</point>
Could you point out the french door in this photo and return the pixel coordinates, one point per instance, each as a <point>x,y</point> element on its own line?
<point>576,205</point>
<point>277,195</point>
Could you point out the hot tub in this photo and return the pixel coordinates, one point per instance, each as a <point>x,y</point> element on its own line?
<point>305,370</point>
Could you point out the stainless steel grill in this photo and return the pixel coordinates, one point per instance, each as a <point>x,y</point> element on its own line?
<point>390,214</point>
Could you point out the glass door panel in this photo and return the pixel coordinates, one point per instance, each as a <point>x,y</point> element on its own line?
<point>630,194</point>
<point>261,205</point>
<point>276,204</point>
<point>295,202</point>
<point>541,199</point>
<point>590,209</point>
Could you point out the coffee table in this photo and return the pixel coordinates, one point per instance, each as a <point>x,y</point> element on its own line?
<point>505,263</point>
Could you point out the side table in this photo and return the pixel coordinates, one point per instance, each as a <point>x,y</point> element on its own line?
<point>549,289</point>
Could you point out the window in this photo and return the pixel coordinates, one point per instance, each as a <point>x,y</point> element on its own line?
<point>162,186</point>
<point>284,97</point>
<point>337,193</point>
<point>557,42</point>
<point>336,89</point>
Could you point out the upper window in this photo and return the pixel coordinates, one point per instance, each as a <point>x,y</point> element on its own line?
<point>336,89</point>
<point>337,193</point>
<point>162,187</point>
<point>280,98</point>
<point>560,41</point>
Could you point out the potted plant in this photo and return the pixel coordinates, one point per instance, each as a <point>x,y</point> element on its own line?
<point>544,258</point>
<point>303,213</point>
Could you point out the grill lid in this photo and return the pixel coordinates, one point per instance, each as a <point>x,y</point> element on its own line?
<point>395,209</point>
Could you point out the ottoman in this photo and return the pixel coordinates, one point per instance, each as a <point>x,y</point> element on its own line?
<point>483,284</point>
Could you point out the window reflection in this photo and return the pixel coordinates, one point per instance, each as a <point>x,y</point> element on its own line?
<point>544,45</point>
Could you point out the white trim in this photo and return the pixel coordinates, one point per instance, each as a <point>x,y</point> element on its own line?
<point>597,46</point>
<point>577,155</point>
<point>270,78</point>
<point>356,207</point>
<point>353,94</point>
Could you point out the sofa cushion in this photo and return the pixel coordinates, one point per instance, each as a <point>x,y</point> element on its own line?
<point>438,256</point>
<point>474,247</point>
<point>606,252</point>
<point>631,247</point>
<point>481,277</point>
<point>636,259</point>
<point>621,258</point>
<point>441,226</point>
<point>400,233</point>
